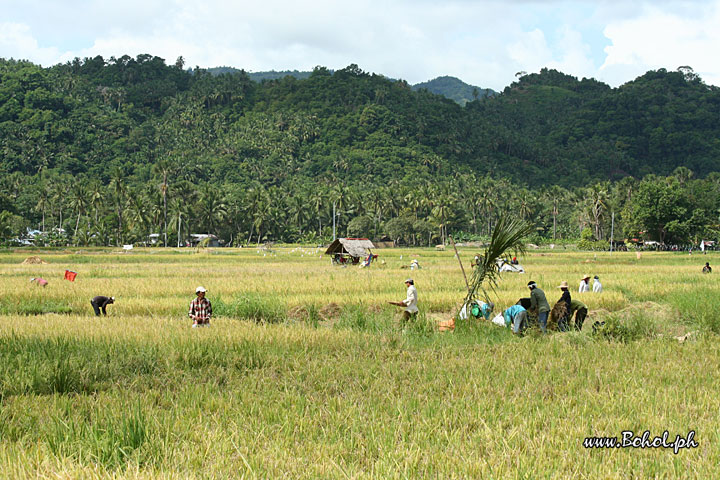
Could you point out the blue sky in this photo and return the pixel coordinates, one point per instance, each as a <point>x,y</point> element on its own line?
<point>482,42</point>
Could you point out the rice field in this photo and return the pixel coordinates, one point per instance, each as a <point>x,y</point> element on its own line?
<point>306,373</point>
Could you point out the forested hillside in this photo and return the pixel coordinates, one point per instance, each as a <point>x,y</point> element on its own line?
<point>112,150</point>
<point>454,89</point>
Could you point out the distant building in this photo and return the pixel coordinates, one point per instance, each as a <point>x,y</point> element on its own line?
<point>349,250</point>
<point>384,242</point>
<point>205,239</point>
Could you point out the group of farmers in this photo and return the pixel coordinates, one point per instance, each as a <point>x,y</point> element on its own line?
<point>516,317</point>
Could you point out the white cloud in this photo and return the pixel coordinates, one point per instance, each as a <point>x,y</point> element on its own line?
<point>574,56</point>
<point>659,39</point>
<point>17,41</point>
<point>530,51</point>
<point>482,42</point>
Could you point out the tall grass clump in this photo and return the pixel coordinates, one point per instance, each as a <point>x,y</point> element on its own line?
<point>109,441</point>
<point>628,328</point>
<point>33,306</point>
<point>49,366</point>
<point>203,353</point>
<point>63,365</point>
<point>358,317</point>
<point>701,309</point>
<point>261,309</point>
<point>421,327</point>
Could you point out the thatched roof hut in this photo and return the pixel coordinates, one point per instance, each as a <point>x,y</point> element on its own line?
<point>354,247</point>
<point>384,242</point>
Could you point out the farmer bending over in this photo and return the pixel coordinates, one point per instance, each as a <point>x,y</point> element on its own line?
<point>100,302</point>
<point>40,281</point>
<point>200,309</point>
<point>516,318</point>
<point>581,312</point>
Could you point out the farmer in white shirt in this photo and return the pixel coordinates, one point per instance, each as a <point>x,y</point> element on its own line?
<point>584,284</point>
<point>410,303</point>
<point>597,286</point>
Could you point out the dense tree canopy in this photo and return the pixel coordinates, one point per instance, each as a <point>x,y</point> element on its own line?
<point>110,150</point>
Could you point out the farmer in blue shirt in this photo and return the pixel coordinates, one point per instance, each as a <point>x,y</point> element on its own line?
<point>517,317</point>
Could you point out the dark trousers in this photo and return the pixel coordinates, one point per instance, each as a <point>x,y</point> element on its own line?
<point>563,324</point>
<point>407,316</point>
<point>96,308</point>
<point>542,318</point>
<point>580,318</point>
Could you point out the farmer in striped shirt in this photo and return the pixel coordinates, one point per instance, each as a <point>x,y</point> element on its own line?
<point>200,309</point>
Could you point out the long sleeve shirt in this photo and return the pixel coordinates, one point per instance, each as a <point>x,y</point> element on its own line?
<point>102,302</point>
<point>411,300</point>
<point>200,309</point>
<point>584,287</point>
<point>576,305</point>
<point>538,301</point>
<point>509,314</point>
<point>565,297</point>
<point>485,310</point>
<point>597,287</point>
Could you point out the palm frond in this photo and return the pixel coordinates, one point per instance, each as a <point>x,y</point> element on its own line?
<point>507,236</point>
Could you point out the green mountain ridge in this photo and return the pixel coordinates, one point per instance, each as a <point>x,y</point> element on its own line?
<point>449,87</point>
<point>455,89</point>
<point>98,142</point>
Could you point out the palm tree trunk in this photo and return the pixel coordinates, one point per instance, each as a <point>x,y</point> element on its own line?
<point>77,224</point>
<point>252,226</point>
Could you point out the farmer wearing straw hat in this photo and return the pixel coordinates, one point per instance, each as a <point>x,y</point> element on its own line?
<point>410,303</point>
<point>564,298</point>
<point>200,309</point>
<point>100,302</point>
<point>584,284</point>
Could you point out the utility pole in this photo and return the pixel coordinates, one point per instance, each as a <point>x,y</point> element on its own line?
<point>333,221</point>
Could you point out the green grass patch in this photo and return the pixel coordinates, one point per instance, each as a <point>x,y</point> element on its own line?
<point>258,308</point>
<point>61,365</point>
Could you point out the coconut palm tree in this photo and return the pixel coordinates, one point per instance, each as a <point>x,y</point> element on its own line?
<point>79,199</point>
<point>44,196</point>
<point>162,168</point>
<point>507,235</point>
<point>118,190</point>
<point>212,206</point>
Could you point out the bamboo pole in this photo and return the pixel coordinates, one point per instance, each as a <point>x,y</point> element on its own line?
<point>457,255</point>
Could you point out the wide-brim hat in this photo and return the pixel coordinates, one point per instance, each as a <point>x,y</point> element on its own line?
<point>585,277</point>
<point>563,285</point>
<point>200,289</point>
<point>410,281</point>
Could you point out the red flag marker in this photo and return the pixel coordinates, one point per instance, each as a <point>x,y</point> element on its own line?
<point>70,275</point>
